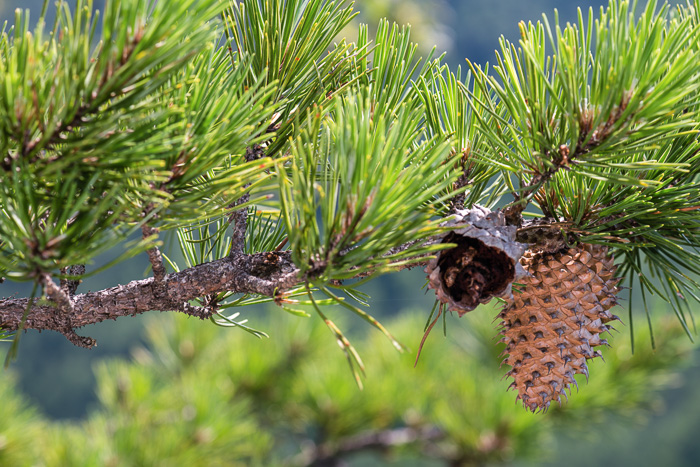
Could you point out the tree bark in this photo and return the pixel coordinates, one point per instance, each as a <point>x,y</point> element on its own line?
<point>264,274</point>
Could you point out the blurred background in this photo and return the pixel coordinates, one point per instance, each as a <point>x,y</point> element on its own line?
<point>165,390</point>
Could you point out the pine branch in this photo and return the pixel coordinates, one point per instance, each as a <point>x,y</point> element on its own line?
<point>92,105</point>
<point>331,454</point>
<point>266,274</point>
<point>262,274</point>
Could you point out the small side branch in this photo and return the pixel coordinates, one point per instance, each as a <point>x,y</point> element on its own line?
<point>54,292</point>
<point>239,217</point>
<point>63,312</point>
<point>70,286</point>
<point>563,157</point>
<point>560,160</point>
<point>330,454</point>
<point>154,255</point>
<point>457,202</point>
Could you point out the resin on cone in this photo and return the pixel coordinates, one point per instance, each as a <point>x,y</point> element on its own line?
<point>552,324</point>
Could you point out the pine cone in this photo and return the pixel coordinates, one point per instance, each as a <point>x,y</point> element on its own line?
<point>483,265</point>
<point>552,325</point>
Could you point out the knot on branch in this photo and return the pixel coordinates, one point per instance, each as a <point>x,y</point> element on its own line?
<point>483,264</point>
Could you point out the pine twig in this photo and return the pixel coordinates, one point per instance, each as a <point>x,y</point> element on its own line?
<point>154,255</point>
<point>563,158</point>
<point>69,286</point>
<point>514,210</point>
<point>330,454</point>
<point>457,202</point>
<point>239,216</point>
<point>63,312</point>
<point>239,219</point>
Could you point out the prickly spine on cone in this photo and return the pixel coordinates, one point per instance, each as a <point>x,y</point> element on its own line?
<point>552,324</point>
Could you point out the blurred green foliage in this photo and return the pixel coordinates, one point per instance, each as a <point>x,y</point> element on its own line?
<point>20,425</point>
<point>197,396</point>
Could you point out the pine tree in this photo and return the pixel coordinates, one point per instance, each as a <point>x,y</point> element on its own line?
<point>294,168</point>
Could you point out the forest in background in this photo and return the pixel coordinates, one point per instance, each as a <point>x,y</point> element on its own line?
<point>462,28</point>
